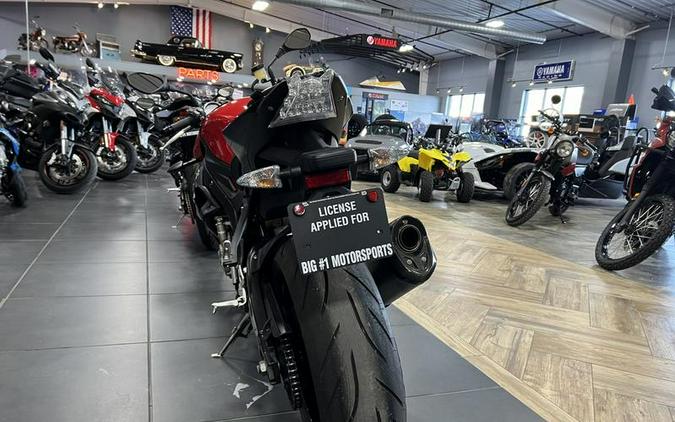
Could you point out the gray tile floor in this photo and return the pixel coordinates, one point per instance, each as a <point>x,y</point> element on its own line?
<point>104,316</point>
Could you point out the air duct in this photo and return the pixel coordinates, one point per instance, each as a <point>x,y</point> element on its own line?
<point>403,15</point>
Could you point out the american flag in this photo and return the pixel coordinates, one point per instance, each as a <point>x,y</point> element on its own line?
<point>189,22</point>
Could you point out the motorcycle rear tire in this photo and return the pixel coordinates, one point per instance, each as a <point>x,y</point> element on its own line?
<point>132,159</point>
<point>85,155</point>
<point>17,190</point>
<point>426,186</point>
<point>539,201</point>
<point>662,234</point>
<point>349,355</point>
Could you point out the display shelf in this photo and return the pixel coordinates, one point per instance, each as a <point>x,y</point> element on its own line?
<point>70,61</point>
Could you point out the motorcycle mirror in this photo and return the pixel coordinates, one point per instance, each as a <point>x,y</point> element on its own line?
<point>299,39</point>
<point>556,99</point>
<point>46,54</point>
<point>145,82</point>
<point>655,90</point>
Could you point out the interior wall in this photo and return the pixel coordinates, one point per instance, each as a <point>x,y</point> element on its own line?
<point>152,24</point>
<point>469,72</point>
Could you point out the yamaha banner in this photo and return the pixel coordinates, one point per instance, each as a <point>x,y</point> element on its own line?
<point>561,71</point>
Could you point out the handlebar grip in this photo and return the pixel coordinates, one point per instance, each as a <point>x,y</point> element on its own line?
<point>181,124</point>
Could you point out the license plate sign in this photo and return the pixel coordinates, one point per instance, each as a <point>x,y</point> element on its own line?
<point>340,231</point>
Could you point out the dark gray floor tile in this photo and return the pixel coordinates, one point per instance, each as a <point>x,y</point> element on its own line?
<point>9,274</point>
<point>172,251</point>
<point>188,385</point>
<point>109,219</point>
<point>19,252</point>
<point>26,231</point>
<point>93,251</point>
<point>276,417</point>
<point>83,280</point>
<point>473,406</point>
<point>38,323</point>
<point>120,230</point>
<point>37,213</point>
<point>182,277</point>
<point>110,207</point>
<point>185,231</point>
<point>434,368</point>
<point>396,317</point>
<point>82,384</point>
<point>188,316</point>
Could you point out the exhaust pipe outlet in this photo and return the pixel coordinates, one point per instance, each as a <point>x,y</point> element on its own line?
<point>411,265</point>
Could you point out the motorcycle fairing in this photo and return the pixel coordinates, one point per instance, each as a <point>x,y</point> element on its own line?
<point>406,163</point>
<point>428,158</point>
<point>14,144</point>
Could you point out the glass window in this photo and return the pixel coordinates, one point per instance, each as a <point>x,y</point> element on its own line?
<point>540,99</point>
<point>461,107</point>
<point>478,103</point>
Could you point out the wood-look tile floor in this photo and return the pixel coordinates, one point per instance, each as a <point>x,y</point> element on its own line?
<point>529,307</point>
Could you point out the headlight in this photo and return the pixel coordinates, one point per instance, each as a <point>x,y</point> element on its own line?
<point>309,98</point>
<point>564,149</point>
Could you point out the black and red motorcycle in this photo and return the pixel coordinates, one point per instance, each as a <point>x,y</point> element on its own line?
<point>648,220</point>
<point>314,264</point>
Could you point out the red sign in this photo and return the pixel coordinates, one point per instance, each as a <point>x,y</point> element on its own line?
<point>205,75</point>
<point>384,42</point>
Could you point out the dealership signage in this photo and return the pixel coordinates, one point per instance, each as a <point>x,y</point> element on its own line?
<point>200,74</point>
<point>383,42</point>
<point>560,71</point>
<point>375,96</point>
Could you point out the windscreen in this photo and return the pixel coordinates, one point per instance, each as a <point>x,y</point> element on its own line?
<point>387,130</point>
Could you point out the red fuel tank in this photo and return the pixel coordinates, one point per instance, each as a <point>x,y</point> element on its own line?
<point>211,131</point>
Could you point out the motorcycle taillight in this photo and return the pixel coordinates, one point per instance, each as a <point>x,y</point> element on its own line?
<point>333,178</point>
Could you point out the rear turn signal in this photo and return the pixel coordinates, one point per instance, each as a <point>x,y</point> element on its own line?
<point>333,178</point>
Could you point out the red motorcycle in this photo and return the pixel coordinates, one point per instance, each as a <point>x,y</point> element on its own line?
<point>648,220</point>
<point>313,263</point>
<point>115,153</point>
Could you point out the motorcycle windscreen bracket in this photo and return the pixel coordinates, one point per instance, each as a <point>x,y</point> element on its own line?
<point>338,231</point>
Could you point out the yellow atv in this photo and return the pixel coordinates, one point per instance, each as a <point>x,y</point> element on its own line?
<point>432,167</point>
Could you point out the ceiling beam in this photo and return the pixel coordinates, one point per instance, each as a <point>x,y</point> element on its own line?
<point>593,17</point>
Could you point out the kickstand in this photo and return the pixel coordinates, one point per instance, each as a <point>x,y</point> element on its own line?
<point>242,329</point>
<point>178,222</point>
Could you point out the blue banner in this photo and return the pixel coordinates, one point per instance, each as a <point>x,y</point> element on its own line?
<point>561,71</point>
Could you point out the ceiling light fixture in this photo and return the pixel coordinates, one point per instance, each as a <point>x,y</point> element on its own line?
<point>100,5</point>
<point>461,89</point>
<point>260,5</point>
<point>398,70</point>
<point>550,81</point>
<point>449,90</point>
<point>495,24</point>
<point>513,84</point>
<point>531,83</point>
<point>666,72</point>
<point>403,70</point>
<point>406,48</point>
<point>250,25</point>
<point>116,5</point>
<point>267,30</point>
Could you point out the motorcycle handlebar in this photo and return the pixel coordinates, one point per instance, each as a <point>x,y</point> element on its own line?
<point>181,124</point>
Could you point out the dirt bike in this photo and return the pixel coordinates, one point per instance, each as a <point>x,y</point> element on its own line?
<point>648,220</point>
<point>76,43</point>
<point>433,166</point>
<point>314,264</point>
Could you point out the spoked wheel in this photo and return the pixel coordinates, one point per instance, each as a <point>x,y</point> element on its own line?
<point>63,175</point>
<point>647,230</point>
<point>536,139</point>
<point>117,164</point>
<point>150,159</point>
<point>528,200</point>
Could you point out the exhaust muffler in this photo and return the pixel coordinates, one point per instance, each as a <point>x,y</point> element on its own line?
<point>411,265</point>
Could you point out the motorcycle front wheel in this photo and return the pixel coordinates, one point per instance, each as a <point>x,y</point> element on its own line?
<point>647,230</point>
<point>118,164</point>
<point>343,354</point>
<point>528,201</point>
<point>63,175</point>
<point>150,159</point>
<point>16,190</point>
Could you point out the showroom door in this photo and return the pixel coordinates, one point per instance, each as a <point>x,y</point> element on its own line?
<point>376,104</point>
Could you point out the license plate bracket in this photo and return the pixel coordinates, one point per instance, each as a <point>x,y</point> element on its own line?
<point>338,231</point>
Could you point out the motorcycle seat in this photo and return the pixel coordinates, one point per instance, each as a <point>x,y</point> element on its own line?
<point>319,160</point>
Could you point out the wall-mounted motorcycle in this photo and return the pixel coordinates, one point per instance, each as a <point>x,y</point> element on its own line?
<point>648,220</point>
<point>115,152</point>
<point>12,185</point>
<point>271,182</point>
<point>36,39</point>
<point>76,43</point>
<point>50,128</point>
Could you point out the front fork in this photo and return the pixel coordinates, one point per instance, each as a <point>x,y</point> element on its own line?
<point>644,193</point>
<point>143,136</point>
<point>67,140</point>
<point>109,137</point>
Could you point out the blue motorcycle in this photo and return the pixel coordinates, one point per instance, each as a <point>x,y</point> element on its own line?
<point>11,179</point>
